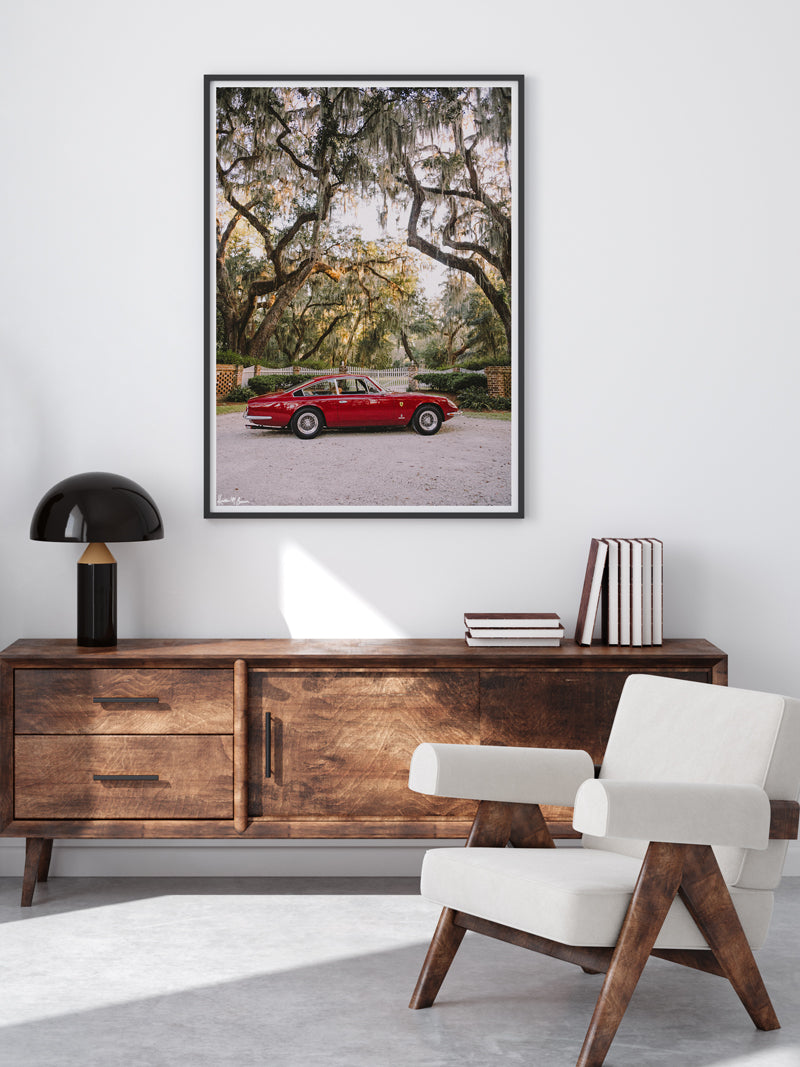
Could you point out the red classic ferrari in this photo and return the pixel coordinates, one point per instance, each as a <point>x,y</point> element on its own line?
<point>346,401</point>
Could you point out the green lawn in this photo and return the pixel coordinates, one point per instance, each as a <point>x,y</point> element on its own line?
<point>503,416</point>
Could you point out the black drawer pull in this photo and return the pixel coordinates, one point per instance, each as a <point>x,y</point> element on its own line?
<point>267,745</point>
<point>125,777</point>
<point>124,700</point>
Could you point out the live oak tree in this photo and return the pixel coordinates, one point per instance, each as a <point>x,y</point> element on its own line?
<point>447,151</point>
<point>354,318</point>
<point>278,168</point>
<point>291,164</point>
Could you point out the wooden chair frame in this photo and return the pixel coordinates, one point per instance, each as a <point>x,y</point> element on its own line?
<point>668,870</point>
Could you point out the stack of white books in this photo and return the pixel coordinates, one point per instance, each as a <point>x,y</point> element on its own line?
<point>628,573</point>
<point>533,628</point>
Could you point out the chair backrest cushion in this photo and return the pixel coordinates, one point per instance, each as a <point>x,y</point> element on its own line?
<point>667,729</point>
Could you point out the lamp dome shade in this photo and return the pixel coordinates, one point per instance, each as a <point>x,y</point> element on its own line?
<point>96,506</point>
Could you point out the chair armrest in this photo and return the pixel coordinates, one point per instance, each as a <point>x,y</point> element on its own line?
<point>688,813</point>
<point>490,772</point>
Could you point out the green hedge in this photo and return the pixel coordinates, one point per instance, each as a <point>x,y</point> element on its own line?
<point>274,383</point>
<point>478,400</point>
<point>239,394</point>
<point>451,381</point>
<point>227,356</point>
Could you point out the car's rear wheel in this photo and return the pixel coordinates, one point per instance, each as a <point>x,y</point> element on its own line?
<point>307,423</point>
<point>427,419</point>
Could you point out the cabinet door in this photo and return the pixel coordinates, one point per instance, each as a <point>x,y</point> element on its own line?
<point>337,745</point>
<point>557,709</point>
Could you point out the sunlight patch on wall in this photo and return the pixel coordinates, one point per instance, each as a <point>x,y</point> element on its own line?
<point>315,602</point>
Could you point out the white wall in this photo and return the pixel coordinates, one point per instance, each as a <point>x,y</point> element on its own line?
<point>662,311</point>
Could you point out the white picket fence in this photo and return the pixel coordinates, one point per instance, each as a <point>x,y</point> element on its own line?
<point>392,379</point>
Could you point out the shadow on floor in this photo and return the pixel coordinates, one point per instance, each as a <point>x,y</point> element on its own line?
<point>158,974</point>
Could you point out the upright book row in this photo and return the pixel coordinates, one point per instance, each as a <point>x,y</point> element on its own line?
<point>627,573</point>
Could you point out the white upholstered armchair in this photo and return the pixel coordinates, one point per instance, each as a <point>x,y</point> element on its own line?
<point>684,838</point>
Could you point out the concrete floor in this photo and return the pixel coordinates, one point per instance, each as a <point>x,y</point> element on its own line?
<point>298,972</point>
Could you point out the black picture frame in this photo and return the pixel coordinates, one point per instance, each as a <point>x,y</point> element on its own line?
<point>503,495</point>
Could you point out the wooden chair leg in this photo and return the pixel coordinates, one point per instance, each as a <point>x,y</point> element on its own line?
<point>529,829</point>
<point>33,856</point>
<point>442,950</point>
<point>44,860</point>
<point>491,826</point>
<point>653,895</point>
<point>494,824</point>
<point>706,895</point>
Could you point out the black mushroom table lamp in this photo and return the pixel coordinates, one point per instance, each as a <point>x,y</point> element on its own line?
<point>97,507</point>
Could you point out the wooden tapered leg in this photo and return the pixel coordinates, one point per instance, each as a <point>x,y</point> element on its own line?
<point>44,860</point>
<point>491,828</point>
<point>442,950</point>
<point>33,856</point>
<point>706,895</point>
<point>653,895</point>
<point>529,829</point>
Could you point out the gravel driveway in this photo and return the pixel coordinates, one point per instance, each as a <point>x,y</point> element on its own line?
<point>467,463</point>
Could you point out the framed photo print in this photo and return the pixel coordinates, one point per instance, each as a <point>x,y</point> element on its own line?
<point>364,288</point>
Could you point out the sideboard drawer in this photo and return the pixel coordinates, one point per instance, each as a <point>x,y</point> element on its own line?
<point>108,701</point>
<point>69,777</point>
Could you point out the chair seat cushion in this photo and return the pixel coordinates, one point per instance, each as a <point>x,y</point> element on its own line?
<point>571,895</point>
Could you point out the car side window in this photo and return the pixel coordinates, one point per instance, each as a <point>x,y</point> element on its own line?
<point>370,387</point>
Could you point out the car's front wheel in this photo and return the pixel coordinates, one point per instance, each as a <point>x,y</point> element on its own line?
<point>427,419</point>
<point>307,423</point>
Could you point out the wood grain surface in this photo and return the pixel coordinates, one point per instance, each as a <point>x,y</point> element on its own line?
<point>92,701</point>
<point>339,746</point>
<point>370,654</point>
<point>341,742</point>
<point>557,708</point>
<point>54,777</point>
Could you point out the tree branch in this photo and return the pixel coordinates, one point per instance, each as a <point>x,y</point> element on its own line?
<point>285,148</point>
<point>448,235</point>
<point>332,326</point>
<point>469,266</point>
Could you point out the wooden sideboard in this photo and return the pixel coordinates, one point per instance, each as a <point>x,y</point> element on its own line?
<point>284,738</point>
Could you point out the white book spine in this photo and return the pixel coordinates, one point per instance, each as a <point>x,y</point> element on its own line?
<point>636,592</point>
<point>624,591</point>
<point>658,591</point>
<point>647,591</point>
<point>612,606</point>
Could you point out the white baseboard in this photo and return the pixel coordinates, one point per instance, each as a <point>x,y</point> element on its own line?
<point>154,859</point>
<point>211,859</point>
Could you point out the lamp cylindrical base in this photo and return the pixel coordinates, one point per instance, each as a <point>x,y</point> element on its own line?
<point>97,604</point>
